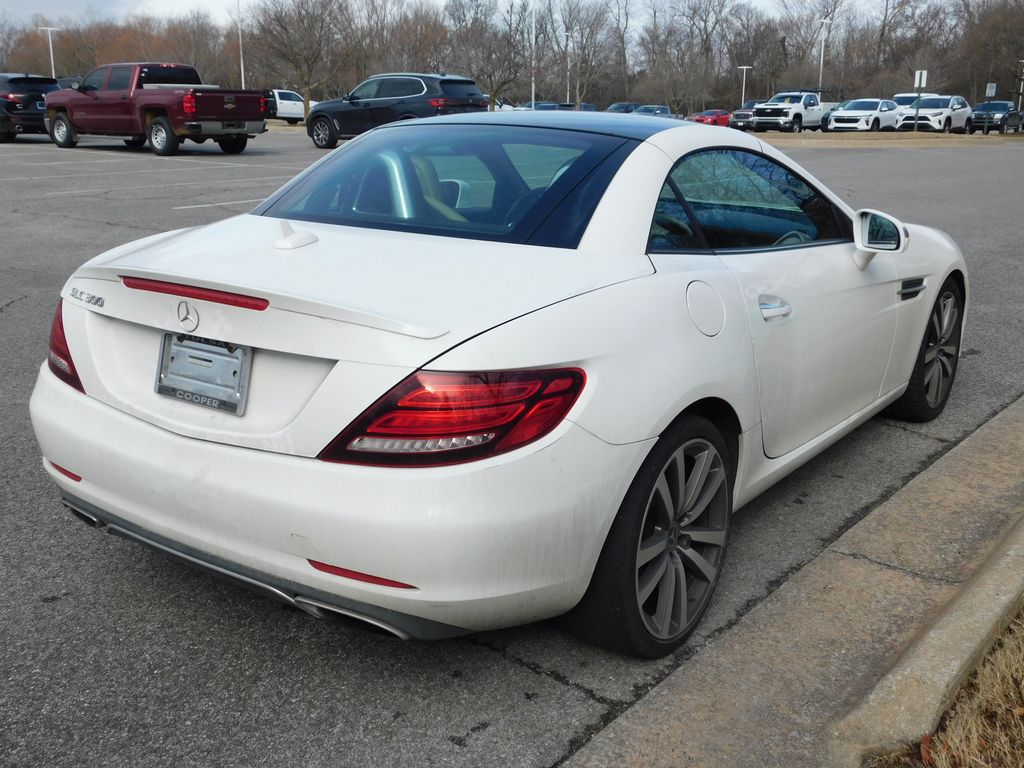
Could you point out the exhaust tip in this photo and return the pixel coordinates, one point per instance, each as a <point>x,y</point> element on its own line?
<point>91,520</point>
<point>348,618</point>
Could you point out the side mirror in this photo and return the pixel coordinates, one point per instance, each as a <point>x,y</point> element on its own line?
<point>875,232</point>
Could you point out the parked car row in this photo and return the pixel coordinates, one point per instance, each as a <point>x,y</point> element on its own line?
<point>795,111</point>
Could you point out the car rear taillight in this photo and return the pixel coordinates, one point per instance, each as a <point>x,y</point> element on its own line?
<point>11,96</point>
<point>188,104</point>
<point>436,418</point>
<point>60,361</point>
<point>263,105</point>
<point>442,102</point>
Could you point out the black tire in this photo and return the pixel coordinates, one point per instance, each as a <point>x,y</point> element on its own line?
<point>162,139</point>
<point>968,126</point>
<point>938,356</point>
<point>972,130</point>
<point>798,124</point>
<point>292,121</point>
<point>233,145</point>
<point>875,125</point>
<point>322,133</point>
<point>947,127</point>
<point>62,133</point>
<point>135,142</point>
<point>1002,127</point>
<point>627,594</point>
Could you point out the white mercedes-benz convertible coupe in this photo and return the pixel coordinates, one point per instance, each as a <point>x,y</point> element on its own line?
<point>476,371</point>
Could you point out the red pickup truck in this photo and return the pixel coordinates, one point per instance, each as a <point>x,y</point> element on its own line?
<point>159,103</point>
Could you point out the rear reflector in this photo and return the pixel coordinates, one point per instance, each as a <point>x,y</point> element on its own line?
<point>66,472</point>
<point>357,576</point>
<point>436,418</point>
<point>59,357</point>
<point>194,292</point>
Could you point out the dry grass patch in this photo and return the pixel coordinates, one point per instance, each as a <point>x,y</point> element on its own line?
<point>985,726</point>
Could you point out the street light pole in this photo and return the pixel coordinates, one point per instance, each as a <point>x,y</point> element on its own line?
<point>567,62</point>
<point>241,56</point>
<point>1020,93</point>
<point>49,37</point>
<point>821,62</point>
<point>533,55</point>
<point>743,90</point>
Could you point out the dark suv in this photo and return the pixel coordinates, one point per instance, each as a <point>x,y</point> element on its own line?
<point>386,98</point>
<point>23,103</point>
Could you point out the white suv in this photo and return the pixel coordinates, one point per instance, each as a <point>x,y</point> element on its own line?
<point>937,113</point>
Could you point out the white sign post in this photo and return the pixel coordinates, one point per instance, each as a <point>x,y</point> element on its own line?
<point>920,82</point>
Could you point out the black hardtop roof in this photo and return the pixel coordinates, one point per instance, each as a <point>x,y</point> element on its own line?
<point>627,126</point>
<point>27,74</point>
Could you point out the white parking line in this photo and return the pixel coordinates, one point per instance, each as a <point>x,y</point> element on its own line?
<point>216,205</point>
<point>225,182</point>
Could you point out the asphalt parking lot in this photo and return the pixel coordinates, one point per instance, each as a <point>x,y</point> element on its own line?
<point>116,655</point>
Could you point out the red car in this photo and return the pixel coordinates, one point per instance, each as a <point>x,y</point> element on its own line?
<point>711,117</point>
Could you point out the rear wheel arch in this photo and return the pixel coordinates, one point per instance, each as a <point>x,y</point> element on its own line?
<point>720,413</point>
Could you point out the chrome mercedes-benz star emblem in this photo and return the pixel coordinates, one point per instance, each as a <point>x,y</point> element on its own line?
<point>188,317</point>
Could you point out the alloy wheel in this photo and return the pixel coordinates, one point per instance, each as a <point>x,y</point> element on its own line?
<point>321,133</point>
<point>941,351</point>
<point>682,539</point>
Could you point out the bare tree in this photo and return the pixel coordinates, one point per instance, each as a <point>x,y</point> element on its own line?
<point>295,37</point>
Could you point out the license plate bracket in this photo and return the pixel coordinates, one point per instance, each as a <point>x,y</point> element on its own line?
<point>213,374</point>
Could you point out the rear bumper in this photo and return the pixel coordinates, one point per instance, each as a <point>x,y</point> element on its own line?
<point>30,123</point>
<point>214,128</point>
<point>488,544</point>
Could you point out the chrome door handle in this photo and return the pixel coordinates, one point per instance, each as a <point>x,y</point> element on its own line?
<point>776,308</point>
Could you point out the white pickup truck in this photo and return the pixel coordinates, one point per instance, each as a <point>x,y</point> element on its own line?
<point>790,111</point>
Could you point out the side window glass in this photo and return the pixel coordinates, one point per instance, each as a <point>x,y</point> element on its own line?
<point>397,87</point>
<point>743,200</point>
<point>94,80</point>
<point>120,78</point>
<point>671,229</point>
<point>367,90</point>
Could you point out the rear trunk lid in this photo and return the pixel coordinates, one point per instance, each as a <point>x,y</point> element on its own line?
<point>347,317</point>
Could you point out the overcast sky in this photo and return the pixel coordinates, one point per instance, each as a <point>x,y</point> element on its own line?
<point>21,11</point>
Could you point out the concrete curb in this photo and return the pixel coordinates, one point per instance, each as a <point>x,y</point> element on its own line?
<point>910,700</point>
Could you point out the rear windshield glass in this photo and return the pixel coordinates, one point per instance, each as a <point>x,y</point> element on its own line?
<point>165,74</point>
<point>461,89</point>
<point>865,105</point>
<point>485,182</point>
<point>37,84</point>
<point>932,103</point>
<point>905,100</point>
<point>994,106</point>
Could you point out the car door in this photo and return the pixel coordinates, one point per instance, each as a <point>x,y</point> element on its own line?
<point>353,115</point>
<point>396,98</point>
<point>961,112</point>
<point>812,110</point>
<point>111,105</point>
<point>889,114</point>
<point>822,328</point>
<point>82,105</point>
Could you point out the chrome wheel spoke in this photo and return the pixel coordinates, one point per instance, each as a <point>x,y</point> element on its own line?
<point>714,482</point>
<point>697,564</point>
<point>651,547</point>
<point>948,312</point>
<point>650,577</point>
<point>712,536</point>
<point>702,463</point>
<point>666,599</point>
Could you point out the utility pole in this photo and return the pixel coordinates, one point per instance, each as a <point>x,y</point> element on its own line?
<point>821,62</point>
<point>743,90</point>
<point>49,37</point>
<point>567,62</point>
<point>241,56</point>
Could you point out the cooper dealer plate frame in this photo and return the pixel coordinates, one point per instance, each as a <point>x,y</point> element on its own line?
<point>205,372</point>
